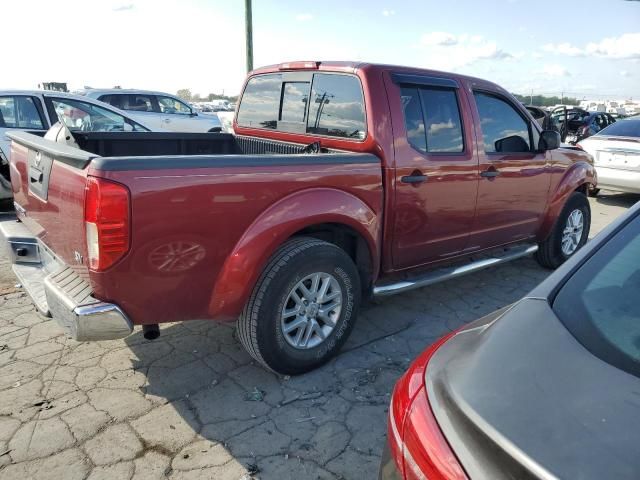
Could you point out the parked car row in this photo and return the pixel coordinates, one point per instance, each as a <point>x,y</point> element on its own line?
<point>36,111</point>
<point>160,110</point>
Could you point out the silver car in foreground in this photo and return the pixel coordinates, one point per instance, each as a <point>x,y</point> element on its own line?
<point>616,153</point>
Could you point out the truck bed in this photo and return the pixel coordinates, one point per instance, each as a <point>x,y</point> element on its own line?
<point>193,199</point>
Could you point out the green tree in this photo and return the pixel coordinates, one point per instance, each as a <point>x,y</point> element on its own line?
<point>185,94</point>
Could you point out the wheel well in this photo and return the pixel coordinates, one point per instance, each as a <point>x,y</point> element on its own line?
<point>583,188</point>
<point>348,240</point>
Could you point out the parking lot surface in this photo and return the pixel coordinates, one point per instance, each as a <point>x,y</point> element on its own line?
<point>192,404</point>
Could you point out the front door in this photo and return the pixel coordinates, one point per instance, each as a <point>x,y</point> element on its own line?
<point>514,176</point>
<point>176,115</point>
<point>436,170</point>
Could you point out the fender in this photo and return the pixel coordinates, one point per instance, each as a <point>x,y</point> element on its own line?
<point>578,174</point>
<point>274,226</point>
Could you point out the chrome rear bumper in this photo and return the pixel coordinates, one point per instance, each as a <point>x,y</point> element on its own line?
<point>58,291</point>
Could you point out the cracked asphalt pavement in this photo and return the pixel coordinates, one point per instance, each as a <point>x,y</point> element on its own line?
<point>192,404</point>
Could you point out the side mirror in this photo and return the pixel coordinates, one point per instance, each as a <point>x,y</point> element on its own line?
<point>194,113</point>
<point>549,140</point>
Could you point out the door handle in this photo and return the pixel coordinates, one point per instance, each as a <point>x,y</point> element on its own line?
<point>414,178</point>
<point>491,173</point>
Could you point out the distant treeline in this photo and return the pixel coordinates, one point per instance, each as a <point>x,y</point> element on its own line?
<point>539,100</point>
<point>542,101</point>
<point>185,94</point>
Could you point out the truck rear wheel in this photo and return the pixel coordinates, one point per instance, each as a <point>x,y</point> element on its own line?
<point>569,233</point>
<point>302,308</point>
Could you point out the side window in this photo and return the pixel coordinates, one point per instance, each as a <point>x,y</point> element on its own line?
<point>260,102</point>
<point>138,103</point>
<point>87,117</point>
<point>413,120</point>
<point>336,106</point>
<point>503,129</point>
<point>295,96</point>
<point>432,119</point>
<point>20,112</point>
<point>115,100</point>
<point>173,106</point>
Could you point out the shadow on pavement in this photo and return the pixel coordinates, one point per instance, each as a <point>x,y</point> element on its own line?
<point>329,423</point>
<point>615,199</point>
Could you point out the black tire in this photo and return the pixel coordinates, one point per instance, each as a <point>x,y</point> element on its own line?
<point>259,327</point>
<point>550,254</point>
<point>593,191</point>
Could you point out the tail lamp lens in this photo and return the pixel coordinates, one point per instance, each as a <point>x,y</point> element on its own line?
<point>415,439</point>
<point>106,217</point>
<point>427,453</point>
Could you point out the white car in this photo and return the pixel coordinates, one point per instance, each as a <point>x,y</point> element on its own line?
<point>160,110</point>
<point>616,153</point>
<point>37,110</point>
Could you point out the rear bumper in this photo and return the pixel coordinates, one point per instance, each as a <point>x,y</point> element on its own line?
<point>58,291</point>
<point>619,180</point>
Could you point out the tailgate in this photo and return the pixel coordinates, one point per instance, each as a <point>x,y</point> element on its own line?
<point>48,181</point>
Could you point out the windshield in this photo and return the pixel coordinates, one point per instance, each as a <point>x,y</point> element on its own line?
<point>600,303</point>
<point>623,128</point>
<point>86,117</point>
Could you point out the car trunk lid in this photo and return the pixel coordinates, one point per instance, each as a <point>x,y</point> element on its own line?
<point>521,398</point>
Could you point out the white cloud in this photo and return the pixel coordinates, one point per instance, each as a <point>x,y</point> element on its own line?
<point>555,71</point>
<point>124,8</point>
<point>624,46</point>
<point>563,49</point>
<point>446,51</point>
<point>304,17</point>
<point>624,73</point>
<point>537,55</point>
<point>438,38</point>
<point>388,13</point>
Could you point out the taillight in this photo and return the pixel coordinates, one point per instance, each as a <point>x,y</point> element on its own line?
<point>106,222</point>
<point>415,440</point>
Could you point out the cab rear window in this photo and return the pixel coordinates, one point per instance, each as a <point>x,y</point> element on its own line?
<point>323,104</point>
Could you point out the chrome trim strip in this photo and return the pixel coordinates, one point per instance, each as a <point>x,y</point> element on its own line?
<point>443,274</point>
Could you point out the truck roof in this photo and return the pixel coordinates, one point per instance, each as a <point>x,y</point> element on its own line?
<point>353,66</point>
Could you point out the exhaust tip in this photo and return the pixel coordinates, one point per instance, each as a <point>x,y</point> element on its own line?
<point>151,332</point>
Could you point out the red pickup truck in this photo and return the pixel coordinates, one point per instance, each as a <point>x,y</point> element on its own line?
<point>342,181</point>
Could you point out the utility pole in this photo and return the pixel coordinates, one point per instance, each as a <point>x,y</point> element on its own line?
<point>248,23</point>
<point>531,98</point>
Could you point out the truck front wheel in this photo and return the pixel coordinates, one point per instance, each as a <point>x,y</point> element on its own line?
<point>302,308</point>
<point>569,233</point>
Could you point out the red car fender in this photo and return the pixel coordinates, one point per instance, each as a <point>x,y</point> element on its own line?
<point>273,227</point>
<point>578,174</point>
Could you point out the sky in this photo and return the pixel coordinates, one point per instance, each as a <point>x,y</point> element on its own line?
<point>586,49</point>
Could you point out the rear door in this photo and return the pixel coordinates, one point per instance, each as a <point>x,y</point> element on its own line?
<point>436,174</point>
<point>20,112</point>
<point>17,112</point>
<point>141,107</point>
<point>514,178</point>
